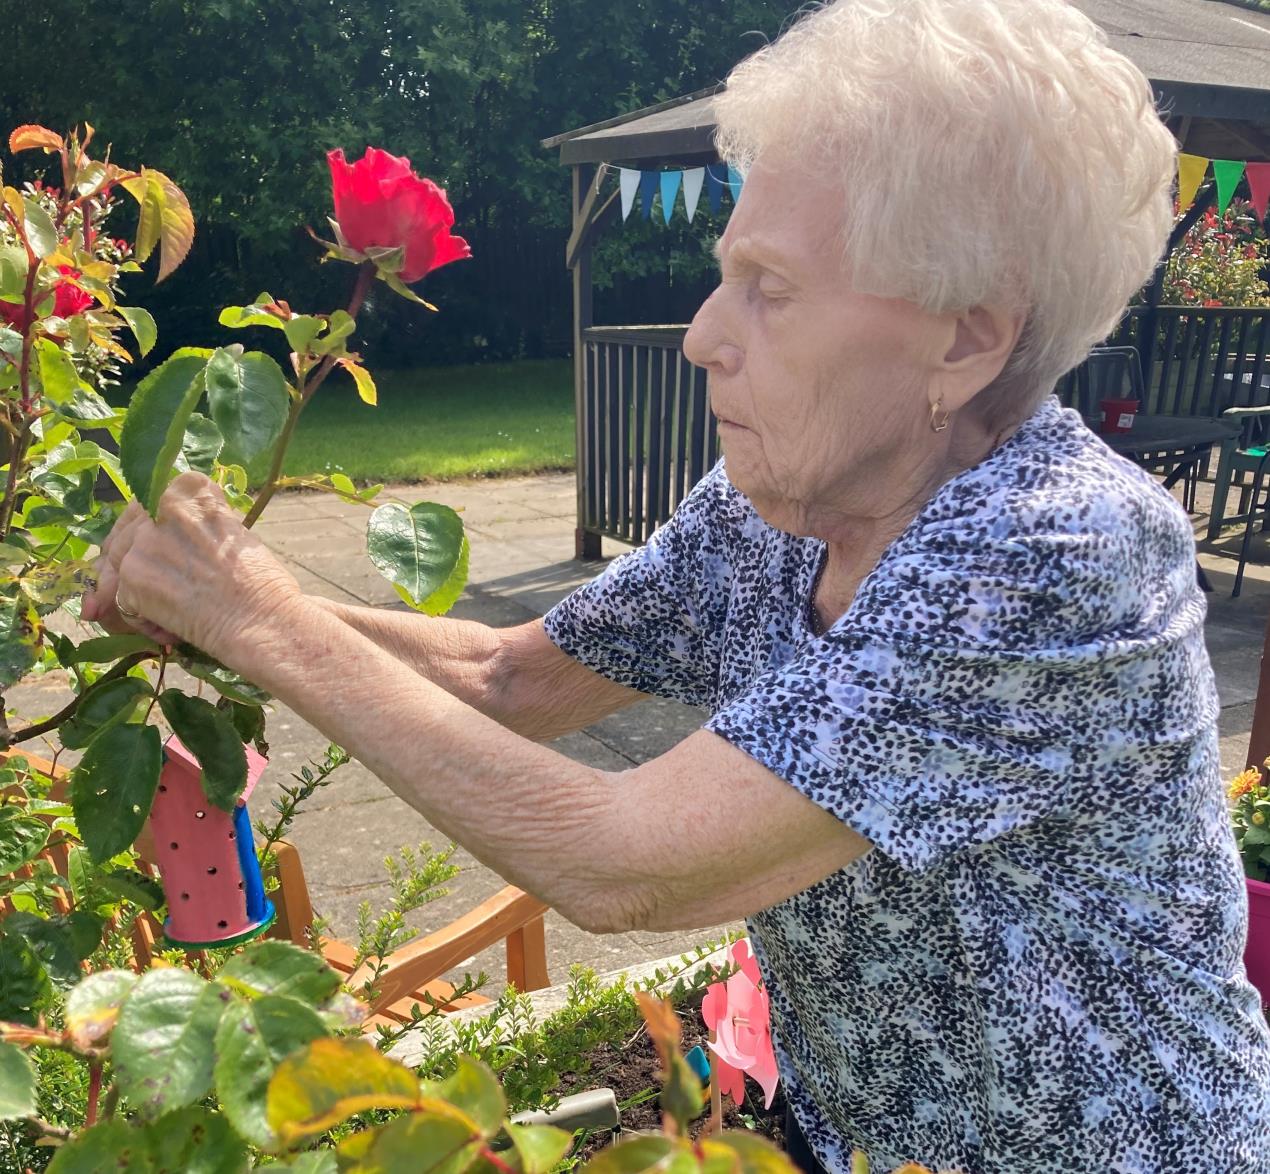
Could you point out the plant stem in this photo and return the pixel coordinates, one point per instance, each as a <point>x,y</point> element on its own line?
<point>94,1092</point>
<point>109,1102</point>
<point>34,731</point>
<point>365,277</point>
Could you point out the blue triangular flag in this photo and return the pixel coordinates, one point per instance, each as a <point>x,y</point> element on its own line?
<point>714,190</point>
<point>628,181</point>
<point>647,189</point>
<point>734,182</point>
<point>670,181</point>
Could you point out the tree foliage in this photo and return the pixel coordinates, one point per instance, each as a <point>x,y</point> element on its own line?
<point>240,98</point>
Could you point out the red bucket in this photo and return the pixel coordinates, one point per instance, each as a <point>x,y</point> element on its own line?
<point>1117,414</point>
<point>1257,951</point>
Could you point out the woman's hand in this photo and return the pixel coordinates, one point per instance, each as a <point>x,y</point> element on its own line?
<point>195,574</point>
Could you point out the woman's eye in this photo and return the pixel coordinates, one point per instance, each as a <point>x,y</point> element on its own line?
<point>773,293</point>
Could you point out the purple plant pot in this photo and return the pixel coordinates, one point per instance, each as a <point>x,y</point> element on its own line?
<point>1257,951</point>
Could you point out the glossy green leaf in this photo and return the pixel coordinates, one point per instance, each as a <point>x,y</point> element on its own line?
<point>41,232</point>
<point>92,1007</point>
<point>61,943</point>
<point>195,1140</point>
<point>87,409</point>
<point>236,317</point>
<point>225,681</point>
<point>474,1089</point>
<point>24,985</point>
<point>22,837</point>
<point>112,1145</point>
<point>247,397</point>
<point>423,1143</point>
<point>395,284</point>
<point>331,1080</point>
<point>113,787</point>
<point>165,220</point>
<point>416,549</point>
<point>640,1154</point>
<point>17,1083</point>
<point>162,1046</point>
<point>141,323</point>
<point>249,721</point>
<point>201,444</point>
<point>755,1155</point>
<point>104,649</point>
<point>280,968</point>
<point>339,326</point>
<point>317,1162</point>
<point>103,705</point>
<point>155,425</point>
<point>20,631</point>
<point>58,377</point>
<point>301,331</point>
<point>253,1038</point>
<point>539,1147</point>
<point>137,887</point>
<point>210,736</point>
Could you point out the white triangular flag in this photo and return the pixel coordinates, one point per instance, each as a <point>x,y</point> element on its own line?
<point>629,181</point>
<point>693,179</point>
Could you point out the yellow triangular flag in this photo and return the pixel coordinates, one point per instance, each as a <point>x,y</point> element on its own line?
<point>1191,170</point>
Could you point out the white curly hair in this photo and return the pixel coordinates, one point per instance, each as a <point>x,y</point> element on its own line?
<point>988,151</point>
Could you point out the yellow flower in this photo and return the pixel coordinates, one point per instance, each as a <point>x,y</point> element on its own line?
<point>1244,782</point>
<point>1259,818</point>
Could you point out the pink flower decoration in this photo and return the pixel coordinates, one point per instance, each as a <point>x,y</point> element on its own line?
<point>739,1014</point>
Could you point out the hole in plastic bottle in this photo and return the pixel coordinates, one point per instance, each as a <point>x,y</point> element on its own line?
<point>223,924</point>
<point>163,787</point>
<point>174,845</point>
<point>212,871</point>
<point>185,896</point>
<point>200,815</point>
<point>240,884</point>
<point>231,835</point>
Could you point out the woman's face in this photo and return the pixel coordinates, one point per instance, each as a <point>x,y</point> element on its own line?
<point>822,393</point>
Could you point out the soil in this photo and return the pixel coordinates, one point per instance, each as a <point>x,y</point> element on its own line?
<point>630,1070</point>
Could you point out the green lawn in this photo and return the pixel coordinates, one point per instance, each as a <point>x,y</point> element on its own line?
<point>441,422</point>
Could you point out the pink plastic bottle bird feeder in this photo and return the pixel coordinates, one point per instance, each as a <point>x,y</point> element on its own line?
<point>206,857</point>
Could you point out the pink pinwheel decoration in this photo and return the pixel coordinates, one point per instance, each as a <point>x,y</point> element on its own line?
<point>739,1015</point>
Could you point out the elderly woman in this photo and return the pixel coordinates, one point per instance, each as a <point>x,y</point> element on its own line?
<point>960,772</point>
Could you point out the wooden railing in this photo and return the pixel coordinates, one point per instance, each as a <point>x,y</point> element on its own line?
<point>649,436</point>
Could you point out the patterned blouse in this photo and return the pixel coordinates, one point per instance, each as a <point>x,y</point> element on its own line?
<point>1038,965</point>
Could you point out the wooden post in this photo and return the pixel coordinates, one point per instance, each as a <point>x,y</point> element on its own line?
<point>586,543</point>
<point>1259,740</point>
<point>527,956</point>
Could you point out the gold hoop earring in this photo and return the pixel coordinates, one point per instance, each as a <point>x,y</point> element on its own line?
<point>938,417</point>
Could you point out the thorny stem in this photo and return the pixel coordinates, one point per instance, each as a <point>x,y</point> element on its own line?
<point>307,388</point>
<point>158,684</point>
<point>22,438</point>
<point>34,731</point>
<point>94,1092</point>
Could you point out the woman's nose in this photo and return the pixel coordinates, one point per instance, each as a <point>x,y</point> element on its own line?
<point>707,345</point>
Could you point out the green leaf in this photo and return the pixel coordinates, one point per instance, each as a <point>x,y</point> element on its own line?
<point>301,331</point>
<point>417,549</point>
<point>247,397</point>
<point>22,837</point>
<point>317,1162</point>
<point>41,232</point>
<point>141,323</point>
<point>87,408</point>
<point>60,943</point>
<point>395,284</point>
<point>210,736</point>
<point>423,1143</point>
<point>133,886</point>
<point>58,376</point>
<point>165,219</point>
<point>162,1046</point>
<point>236,317</point>
<point>195,1140</point>
<point>280,968</point>
<point>331,1080</point>
<point>50,585</point>
<point>108,1145</point>
<point>20,632</point>
<point>249,720</point>
<point>104,649</point>
<point>365,384</point>
<point>113,787</point>
<point>17,1083</point>
<point>539,1147</point>
<point>201,444</point>
<point>756,1154</point>
<point>155,425</point>
<point>474,1089</point>
<point>24,985</point>
<point>339,327</point>
<point>225,681</point>
<point>92,1007</point>
<point>252,1040</point>
<point>638,1155</point>
<point>102,705</point>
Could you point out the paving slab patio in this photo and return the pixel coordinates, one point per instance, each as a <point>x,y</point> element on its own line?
<point>522,535</point>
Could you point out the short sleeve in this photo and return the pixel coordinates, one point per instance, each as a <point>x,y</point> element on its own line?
<point>653,620</point>
<point>971,690</point>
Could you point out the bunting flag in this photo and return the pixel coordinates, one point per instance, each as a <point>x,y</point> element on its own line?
<point>734,182</point>
<point>670,181</point>
<point>628,181</point>
<point>714,190</point>
<point>1259,185</point>
<point>1190,174</point>
<point>647,189</point>
<point>692,190</point>
<point>1227,173</point>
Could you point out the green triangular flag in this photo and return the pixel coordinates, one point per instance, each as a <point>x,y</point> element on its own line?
<point>1228,173</point>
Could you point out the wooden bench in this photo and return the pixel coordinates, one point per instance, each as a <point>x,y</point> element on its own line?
<point>412,973</point>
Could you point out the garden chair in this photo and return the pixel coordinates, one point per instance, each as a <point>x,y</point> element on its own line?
<point>413,972</point>
<point>1238,466</point>
<point>1110,372</point>
<point>1252,456</point>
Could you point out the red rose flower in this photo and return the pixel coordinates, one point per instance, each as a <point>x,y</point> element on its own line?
<point>68,300</point>
<point>381,203</point>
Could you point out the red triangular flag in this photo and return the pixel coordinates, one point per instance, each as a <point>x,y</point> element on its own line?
<point>1258,175</point>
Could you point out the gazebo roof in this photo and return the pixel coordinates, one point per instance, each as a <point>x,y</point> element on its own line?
<point>1208,61</point>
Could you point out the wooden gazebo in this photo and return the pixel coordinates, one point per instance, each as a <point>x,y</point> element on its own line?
<point>644,431</point>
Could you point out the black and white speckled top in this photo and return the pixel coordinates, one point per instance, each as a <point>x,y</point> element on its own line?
<point>1038,966</point>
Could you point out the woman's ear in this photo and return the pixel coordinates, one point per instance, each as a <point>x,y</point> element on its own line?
<point>983,338</point>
